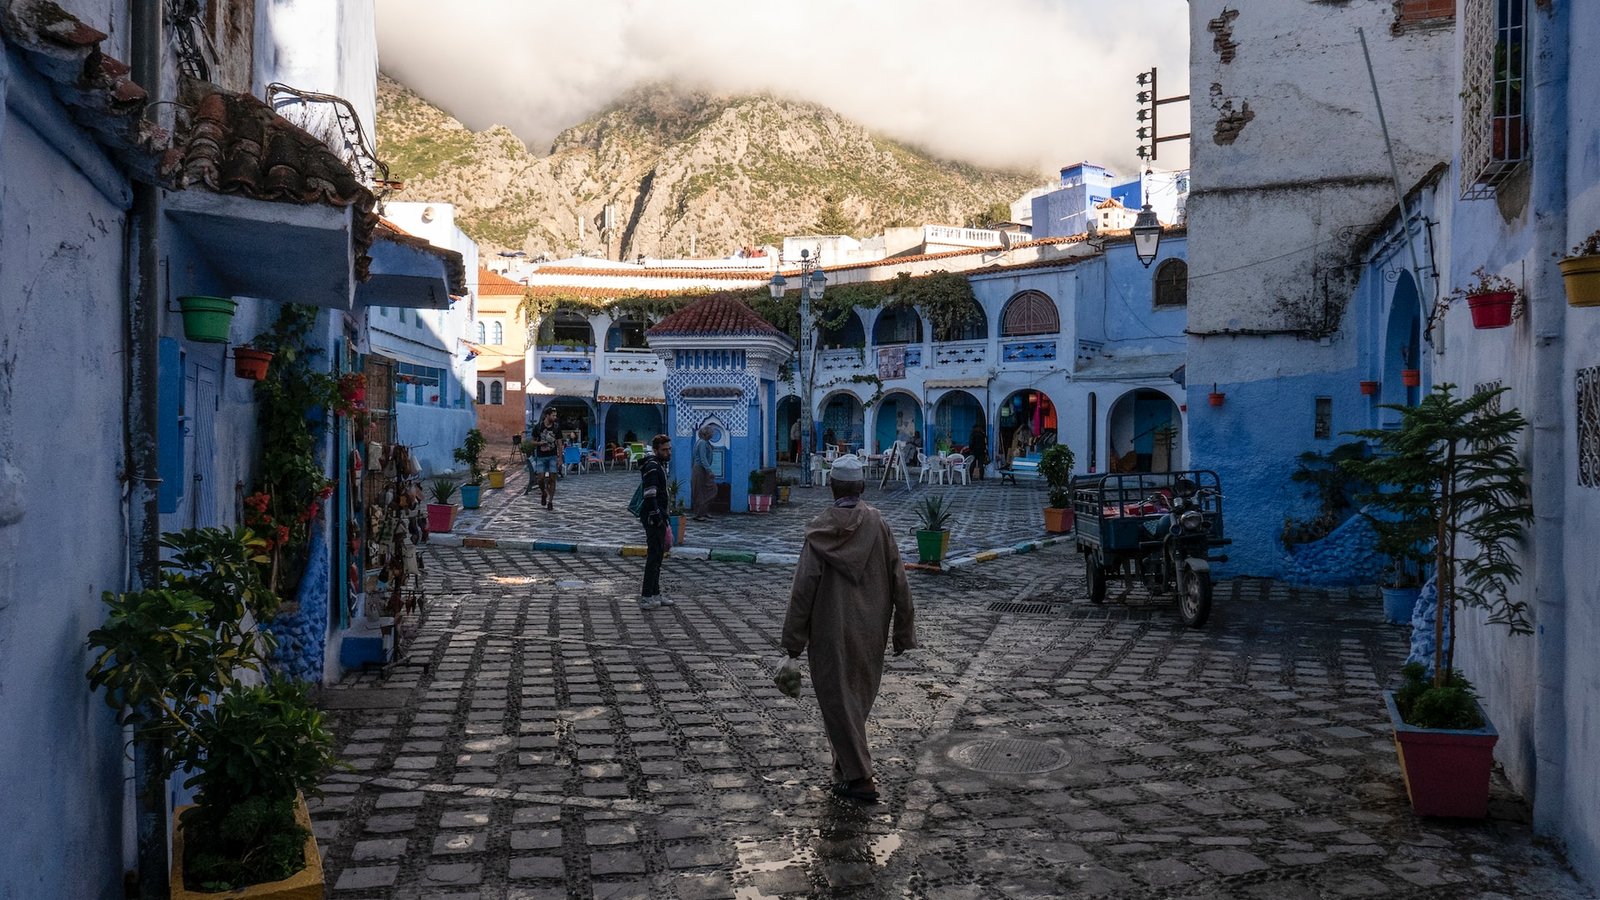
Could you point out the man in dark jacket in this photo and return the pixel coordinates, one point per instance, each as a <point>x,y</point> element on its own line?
<point>978,449</point>
<point>653,475</point>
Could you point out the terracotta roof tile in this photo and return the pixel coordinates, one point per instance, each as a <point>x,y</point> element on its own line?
<point>1110,203</point>
<point>645,272</point>
<point>495,284</point>
<point>600,293</point>
<point>716,317</point>
<point>236,144</point>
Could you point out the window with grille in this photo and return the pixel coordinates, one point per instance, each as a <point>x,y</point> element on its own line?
<point>497,332</point>
<point>497,393</point>
<point>480,393</point>
<point>1588,383</point>
<point>483,333</point>
<point>1029,312</point>
<point>1172,283</point>
<point>1322,427</point>
<point>1494,127</point>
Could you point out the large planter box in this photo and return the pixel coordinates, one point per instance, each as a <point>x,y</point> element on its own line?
<point>1058,521</point>
<point>1446,771</point>
<point>440,517</point>
<point>306,884</point>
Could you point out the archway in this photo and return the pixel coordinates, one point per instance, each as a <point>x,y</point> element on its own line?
<point>897,325</point>
<point>1144,433</point>
<point>975,327</point>
<point>575,416</point>
<point>1026,423</point>
<point>786,435</point>
<point>847,335</point>
<point>954,417</point>
<point>898,417</point>
<point>627,334</point>
<point>642,420</point>
<point>1402,341</point>
<point>566,327</point>
<point>843,418</point>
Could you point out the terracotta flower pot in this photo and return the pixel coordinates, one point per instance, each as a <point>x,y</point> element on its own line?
<point>251,364</point>
<point>1446,771</point>
<point>1581,275</point>
<point>1216,398</point>
<point>1058,521</point>
<point>1411,377</point>
<point>1369,388</point>
<point>1491,310</point>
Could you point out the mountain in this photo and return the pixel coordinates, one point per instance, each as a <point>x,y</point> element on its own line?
<point>680,170</point>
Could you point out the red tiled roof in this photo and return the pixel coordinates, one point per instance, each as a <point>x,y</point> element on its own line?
<point>495,284</point>
<point>600,293</point>
<point>709,274</point>
<point>237,145</point>
<point>716,317</point>
<point>1110,203</point>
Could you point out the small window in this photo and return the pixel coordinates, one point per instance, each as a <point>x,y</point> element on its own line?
<point>480,393</point>
<point>1323,427</point>
<point>497,333</point>
<point>1172,283</point>
<point>497,394</point>
<point>483,333</point>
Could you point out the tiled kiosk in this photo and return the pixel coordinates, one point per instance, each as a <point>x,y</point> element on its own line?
<point>722,368</point>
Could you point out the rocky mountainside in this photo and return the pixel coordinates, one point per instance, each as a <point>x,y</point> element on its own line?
<point>679,171</point>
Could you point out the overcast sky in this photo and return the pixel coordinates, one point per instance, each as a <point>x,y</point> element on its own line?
<point>1033,84</point>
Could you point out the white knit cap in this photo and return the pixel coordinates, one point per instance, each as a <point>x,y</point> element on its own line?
<point>847,468</point>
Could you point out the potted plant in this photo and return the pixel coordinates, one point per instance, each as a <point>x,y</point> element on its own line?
<point>1491,298</point>
<point>1453,465</point>
<point>248,835</point>
<point>677,512</point>
<point>1411,377</point>
<point>785,485</point>
<point>933,532</point>
<point>1580,272</point>
<point>442,511</point>
<point>1056,467</point>
<point>251,363</point>
<point>497,478</point>
<point>468,453</point>
<point>207,319</point>
<point>1369,388</point>
<point>1216,397</point>
<point>760,500</point>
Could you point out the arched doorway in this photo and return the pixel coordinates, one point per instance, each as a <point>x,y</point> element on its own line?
<point>1144,433</point>
<point>898,417</point>
<point>786,434</point>
<point>897,325</point>
<point>844,418</point>
<point>1402,342</point>
<point>575,417</point>
<point>1026,423</point>
<point>627,333</point>
<point>641,420</point>
<point>954,417</point>
<point>846,334</point>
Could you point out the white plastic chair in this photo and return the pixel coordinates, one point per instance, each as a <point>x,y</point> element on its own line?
<point>956,467</point>
<point>933,470</point>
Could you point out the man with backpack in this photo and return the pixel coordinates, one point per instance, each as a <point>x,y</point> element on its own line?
<point>651,500</point>
<point>543,458</point>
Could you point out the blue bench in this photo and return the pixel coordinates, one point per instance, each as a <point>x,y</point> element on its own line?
<point>1021,466</point>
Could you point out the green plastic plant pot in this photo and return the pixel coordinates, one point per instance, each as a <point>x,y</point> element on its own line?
<point>931,545</point>
<point>206,319</point>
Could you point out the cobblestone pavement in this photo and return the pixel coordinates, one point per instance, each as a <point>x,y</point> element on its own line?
<point>565,743</point>
<point>593,508</point>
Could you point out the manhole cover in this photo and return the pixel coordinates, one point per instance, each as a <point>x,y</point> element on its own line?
<point>1008,756</point>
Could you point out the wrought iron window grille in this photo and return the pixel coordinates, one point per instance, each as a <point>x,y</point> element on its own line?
<point>1494,132</point>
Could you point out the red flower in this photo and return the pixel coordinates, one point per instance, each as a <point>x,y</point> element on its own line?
<point>282,534</point>
<point>326,492</point>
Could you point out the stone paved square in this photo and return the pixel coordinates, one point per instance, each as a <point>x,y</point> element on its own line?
<point>582,747</point>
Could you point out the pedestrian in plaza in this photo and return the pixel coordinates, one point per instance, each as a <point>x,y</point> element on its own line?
<point>849,599</point>
<point>794,441</point>
<point>653,477</point>
<point>545,458</point>
<point>702,482</point>
<point>978,449</point>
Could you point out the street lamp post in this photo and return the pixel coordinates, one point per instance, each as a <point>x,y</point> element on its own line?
<point>1146,236</point>
<point>812,285</point>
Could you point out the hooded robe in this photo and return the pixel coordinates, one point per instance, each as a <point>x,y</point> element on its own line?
<point>849,591</point>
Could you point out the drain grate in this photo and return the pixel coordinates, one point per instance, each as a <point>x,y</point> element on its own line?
<point>1008,756</point>
<point>1033,608</point>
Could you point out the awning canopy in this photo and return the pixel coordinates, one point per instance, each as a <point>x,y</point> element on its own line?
<point>547,386</point>
<point>618,390</point>
<point>971,381</point>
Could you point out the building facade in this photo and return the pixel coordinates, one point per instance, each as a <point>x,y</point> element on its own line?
<point>499,336</point>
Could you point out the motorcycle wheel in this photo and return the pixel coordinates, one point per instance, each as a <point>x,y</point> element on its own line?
<point>1195,603</point>
<point>1097,579</point>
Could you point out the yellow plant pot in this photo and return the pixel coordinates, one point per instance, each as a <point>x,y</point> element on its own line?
<point>497,479</point>
<point>1582,277</point>
<point>306,884</point>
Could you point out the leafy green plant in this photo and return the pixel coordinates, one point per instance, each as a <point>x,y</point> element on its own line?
<point>263,744</point>
<point>1452,465</point>
<point>758,483</point>
<point>1055,464</point>
<point>1589,246</point>
<point>675,504</point>
<point>1425,705</point>
<point>468,454</point>
<point>224,568</point>
<point>1327,481</point>
<point>933,513</point>
<point>443,490</point>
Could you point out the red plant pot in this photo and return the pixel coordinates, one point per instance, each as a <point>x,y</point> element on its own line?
<point>1369,388</point>
<point>1446,771</point>
<point>1411,377</point>
<point>440,517</point>
<point>251,364</point>
<point>1058,521</point>
<point>1491,310</point>
<point>1216,398</point>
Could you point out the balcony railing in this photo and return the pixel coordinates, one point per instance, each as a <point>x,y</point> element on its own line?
<point>632,363</point>
<point>1028,351</point>
<point>566,360</point>
<point>961,353</point>
<point>846,360</point>
<point>966,237</point>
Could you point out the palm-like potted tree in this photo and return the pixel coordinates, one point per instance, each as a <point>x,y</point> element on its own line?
<point>1453,463</point>
<point>1056,467</point>
<point>468,453</point>
<point>442,511</point>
